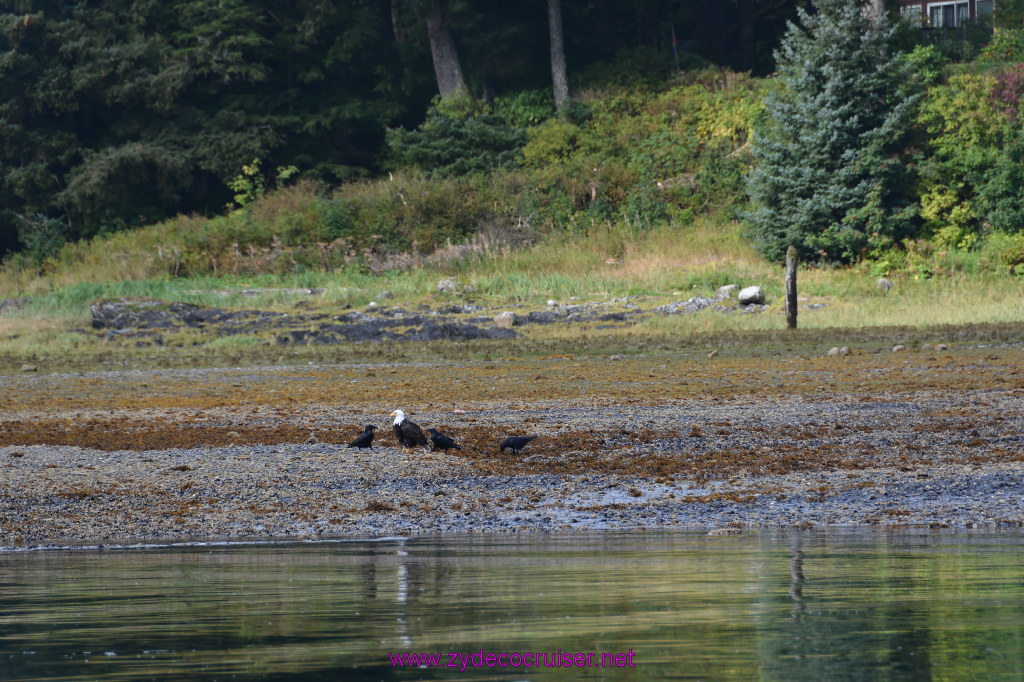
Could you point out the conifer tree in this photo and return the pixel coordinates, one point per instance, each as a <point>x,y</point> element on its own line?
<point>832,174</point>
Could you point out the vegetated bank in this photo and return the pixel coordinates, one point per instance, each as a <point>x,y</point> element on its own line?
<point>632,192</point>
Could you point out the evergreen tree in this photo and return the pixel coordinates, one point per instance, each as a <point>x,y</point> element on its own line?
<point>832,176</point>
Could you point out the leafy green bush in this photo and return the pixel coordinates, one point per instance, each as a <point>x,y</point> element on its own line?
<point>1007,45</point>
<point>526,108</point>
<point>576,111</point>
<point>456,139</point>
<point>973,180</point>
<point>1001,191</point>
<point>1009,250</point>
<point>551,142</point>
<point>42,237</point>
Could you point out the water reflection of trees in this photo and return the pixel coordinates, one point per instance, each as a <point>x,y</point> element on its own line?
<point>883,607</point>
<point>784,606</point>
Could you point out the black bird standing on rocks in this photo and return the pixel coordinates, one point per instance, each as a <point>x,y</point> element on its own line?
<point>442,442</point>
<point>515,443</point>
<point>365,439</point>
<point>408,433</point>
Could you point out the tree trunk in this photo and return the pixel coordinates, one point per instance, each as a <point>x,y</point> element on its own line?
<point>442,50</point>
<point>395,14</point>
<point>791,299</point>
<point>558,72</point>
<point>874,8</point>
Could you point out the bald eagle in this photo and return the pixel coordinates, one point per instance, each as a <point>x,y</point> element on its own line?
<point>441,441</point>
<point>515,443</point>
<point>365,439</point>
<point>409,434</point>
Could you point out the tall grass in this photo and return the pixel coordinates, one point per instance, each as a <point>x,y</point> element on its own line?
<point>668,262</point>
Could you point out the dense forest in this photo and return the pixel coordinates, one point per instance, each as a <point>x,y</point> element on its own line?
<point>118,113</point>
<point>313,135</point>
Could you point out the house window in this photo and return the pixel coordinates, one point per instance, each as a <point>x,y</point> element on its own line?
<point>983,7</point>
<point>948,14</point>
<point>910,12</point>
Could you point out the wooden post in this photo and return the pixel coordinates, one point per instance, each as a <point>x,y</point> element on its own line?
<point>791,288</point>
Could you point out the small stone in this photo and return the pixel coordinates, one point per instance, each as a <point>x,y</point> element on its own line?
<point>29,368</point>
<point>726,291</point>
<point>898,348</point>
<point>693,305</point>
<point>449,285</point>
<point>386,295</point>
<point>371,304</point>
<point>941,346</point>
<point>833,351</point>
<point>615,357</point>
<point>844,351</point>
<point>505,320</point>
<point>713,353</point>
<point>552,303</point>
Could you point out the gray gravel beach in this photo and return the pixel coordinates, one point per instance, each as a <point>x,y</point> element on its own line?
<point>936,458</point>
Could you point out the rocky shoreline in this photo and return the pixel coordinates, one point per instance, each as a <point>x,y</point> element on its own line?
<point>149,322</point>
<point>937,457</point>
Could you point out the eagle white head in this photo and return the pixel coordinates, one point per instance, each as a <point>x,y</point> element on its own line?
<point>399,416</point>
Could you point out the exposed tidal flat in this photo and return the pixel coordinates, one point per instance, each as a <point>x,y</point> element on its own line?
<point>666,440</point>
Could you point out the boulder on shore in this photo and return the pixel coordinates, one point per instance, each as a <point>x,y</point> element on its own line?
<point>750,295</point>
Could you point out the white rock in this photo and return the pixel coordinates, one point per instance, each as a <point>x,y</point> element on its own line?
<point>505,320</point>
<point>726,291</point>
<point>449,284</point>
<point>750,295</point>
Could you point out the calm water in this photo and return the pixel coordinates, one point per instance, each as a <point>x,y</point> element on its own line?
<point>773,606</point>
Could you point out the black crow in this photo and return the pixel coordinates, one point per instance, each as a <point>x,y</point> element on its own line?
<point>515,443</point>
<point>365,439</point>
<point>442,442</point>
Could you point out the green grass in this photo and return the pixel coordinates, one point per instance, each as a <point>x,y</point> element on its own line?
<point>651,268</point>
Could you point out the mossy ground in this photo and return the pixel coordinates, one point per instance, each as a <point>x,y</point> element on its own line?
<point>663,438</point>
<point>480,401</point>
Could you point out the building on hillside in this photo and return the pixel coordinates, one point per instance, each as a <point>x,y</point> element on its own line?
<point>945,13</point>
